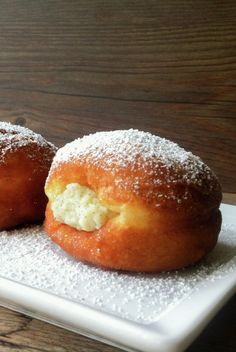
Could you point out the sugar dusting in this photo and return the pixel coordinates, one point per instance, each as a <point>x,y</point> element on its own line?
<point>28,256</point>
<point>14,137</point>
<point>155,161</point>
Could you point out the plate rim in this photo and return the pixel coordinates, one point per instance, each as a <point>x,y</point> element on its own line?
<point>118,331</point>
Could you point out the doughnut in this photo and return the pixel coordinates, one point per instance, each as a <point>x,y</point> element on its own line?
<point>129,200</point>
<point>25,159</point>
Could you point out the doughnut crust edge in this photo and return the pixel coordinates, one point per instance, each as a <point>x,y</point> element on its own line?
<point>165,201</point>
<point>25,159</point>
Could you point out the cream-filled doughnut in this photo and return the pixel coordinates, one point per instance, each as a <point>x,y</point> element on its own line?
<point>25,159</point>
<point>130,200</point>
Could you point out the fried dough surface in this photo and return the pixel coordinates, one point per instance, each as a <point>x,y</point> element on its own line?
<point>164,201</point>
<point>25,159</point>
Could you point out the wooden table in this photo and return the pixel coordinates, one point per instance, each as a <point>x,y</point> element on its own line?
<point>68,68</point>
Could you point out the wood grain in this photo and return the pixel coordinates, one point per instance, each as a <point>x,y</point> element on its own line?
<point>68,68</point>
<point>229,198</point>
<point>22,333</point>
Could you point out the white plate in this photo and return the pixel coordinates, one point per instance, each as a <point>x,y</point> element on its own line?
<point>132,311</point>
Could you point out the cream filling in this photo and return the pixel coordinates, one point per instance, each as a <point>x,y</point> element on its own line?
<point>79,207</point>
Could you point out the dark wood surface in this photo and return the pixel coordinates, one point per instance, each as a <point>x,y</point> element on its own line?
<point>68,68</point>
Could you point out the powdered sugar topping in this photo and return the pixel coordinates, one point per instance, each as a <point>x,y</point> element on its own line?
<point>122,147</point>
<point>152,159</point>
<point>13,137</point>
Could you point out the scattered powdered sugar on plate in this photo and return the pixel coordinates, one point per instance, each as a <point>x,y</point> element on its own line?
<point>29,257</point>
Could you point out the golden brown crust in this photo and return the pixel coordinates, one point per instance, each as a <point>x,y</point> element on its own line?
<point>25,159</point>
<point>174,195</point>
<point>150,250</point>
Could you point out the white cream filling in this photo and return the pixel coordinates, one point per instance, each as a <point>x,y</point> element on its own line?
<point>79,207</point>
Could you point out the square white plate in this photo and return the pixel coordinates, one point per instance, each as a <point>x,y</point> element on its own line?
<point>135,312</point>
